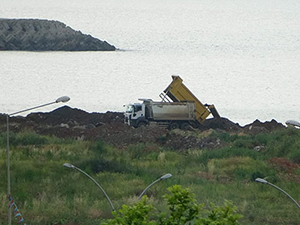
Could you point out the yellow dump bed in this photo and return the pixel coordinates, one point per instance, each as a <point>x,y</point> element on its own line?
<point>177,91</point>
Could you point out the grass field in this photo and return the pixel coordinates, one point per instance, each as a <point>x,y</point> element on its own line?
<point>46,192</point>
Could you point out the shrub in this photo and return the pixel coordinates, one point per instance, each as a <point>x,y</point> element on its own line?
<point>182,206</point>
<point>283,143</point>
<point>25,138</point>
<point>182,209</point>
<point>138,214</point>
<point>97,165</point>
<point>221,215</point>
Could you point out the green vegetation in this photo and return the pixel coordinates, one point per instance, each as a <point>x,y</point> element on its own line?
<point>182,209</point>
<point>48,193</point>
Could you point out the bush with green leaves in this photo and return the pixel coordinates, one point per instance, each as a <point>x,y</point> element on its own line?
<point>182,206</point>
<point>182,209</point>
<point>220,215</point>
<point>138,214</point>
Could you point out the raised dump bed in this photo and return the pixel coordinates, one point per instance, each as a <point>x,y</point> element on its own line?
<point>178,92</point>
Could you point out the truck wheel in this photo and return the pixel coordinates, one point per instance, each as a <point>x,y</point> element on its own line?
<point>141,124</point>
<point>184,126</point>
<point>173,126</point>
<point>194,125</point>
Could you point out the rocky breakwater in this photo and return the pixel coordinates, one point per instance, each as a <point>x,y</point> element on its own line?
<point>46,35</point>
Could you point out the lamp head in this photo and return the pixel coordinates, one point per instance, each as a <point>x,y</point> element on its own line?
<point>260,180</point>
<point>166,176</point>
<point>69,165</point>
<point>62,99</point>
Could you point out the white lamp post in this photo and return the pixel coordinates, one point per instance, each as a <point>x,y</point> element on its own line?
<point>260,180</point>
<point>98,185</point>
<point>61,99</point>
<point>166,176</point>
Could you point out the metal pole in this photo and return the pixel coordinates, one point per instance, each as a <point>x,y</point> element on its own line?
<point>148,188</point>
<point>274,186</point>
<point>98,185</point>
<point>8,166</point>
<point>166,176</point>
<point>25,110</point>
<point>61,99</point>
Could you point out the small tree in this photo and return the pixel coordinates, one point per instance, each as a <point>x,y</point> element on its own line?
<point>138,214</point>
<point>182,209</point>
<point>220,215</point>
<point>182,206</point>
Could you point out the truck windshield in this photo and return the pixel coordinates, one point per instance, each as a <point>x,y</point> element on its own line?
<point>129,109</point>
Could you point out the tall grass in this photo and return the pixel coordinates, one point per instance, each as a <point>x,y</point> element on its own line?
<point>48,193</point>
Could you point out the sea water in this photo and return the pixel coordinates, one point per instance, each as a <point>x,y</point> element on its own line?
<point>242,56</point>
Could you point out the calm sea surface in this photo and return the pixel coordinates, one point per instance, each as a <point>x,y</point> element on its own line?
<point>241,55</point>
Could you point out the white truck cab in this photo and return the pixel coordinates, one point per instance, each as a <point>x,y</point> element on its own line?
<point>135,114</point>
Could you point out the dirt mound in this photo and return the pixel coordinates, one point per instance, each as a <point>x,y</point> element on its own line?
<point>123,135</point>
<point>220,123</point>
<point>67,115</point>
<point>66,122</point>
<point>258,127</point>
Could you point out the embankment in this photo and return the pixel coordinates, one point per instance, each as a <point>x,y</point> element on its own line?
<point>46,35</point>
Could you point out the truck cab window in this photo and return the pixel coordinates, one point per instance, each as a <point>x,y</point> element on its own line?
<point>138,108</point>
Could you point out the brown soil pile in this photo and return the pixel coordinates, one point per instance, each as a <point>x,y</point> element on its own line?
<point>66,122</point>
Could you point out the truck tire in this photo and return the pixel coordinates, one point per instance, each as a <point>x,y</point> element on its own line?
<point>194,124</point>
<point>185,126</point>
<point>141,124</point>
<point>173,126</point>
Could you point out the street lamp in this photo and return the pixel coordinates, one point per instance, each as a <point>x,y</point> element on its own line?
<point>166,176</point>
<point>74,167</point>
<point>260,180</point>
<point>61,99</point>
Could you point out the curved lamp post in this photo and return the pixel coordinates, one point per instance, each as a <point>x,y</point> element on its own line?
<point>166,176</point>
<point>59,100</point>
<point>74,167</point>
<point>260,180</point>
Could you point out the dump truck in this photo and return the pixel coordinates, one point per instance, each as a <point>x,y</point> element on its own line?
<point>179,108</point>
